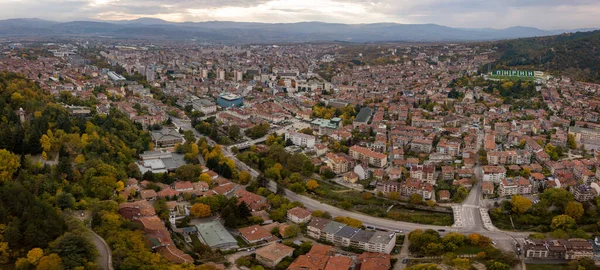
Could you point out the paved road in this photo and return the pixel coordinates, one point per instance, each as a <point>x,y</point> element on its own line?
<point>104,259</point>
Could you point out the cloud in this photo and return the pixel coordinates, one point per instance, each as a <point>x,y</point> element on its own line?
<point>456,13</point>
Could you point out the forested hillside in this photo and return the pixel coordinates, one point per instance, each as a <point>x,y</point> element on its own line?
<point>576,55</point>
<point>94,156</point>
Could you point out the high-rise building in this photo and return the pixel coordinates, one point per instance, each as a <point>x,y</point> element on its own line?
<point>221,74</point>
<point>238,76</point>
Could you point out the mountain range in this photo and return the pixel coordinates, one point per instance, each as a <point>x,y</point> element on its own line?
<point>244,32</point>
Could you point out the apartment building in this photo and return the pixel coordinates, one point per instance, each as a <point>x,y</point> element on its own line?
<point>300,139</point>
<point>425,173</point>
<point>338,163</point>
<point>509,157</point>
<point>514,186</point>
<point>341,235</point>
<point>567,249</point>
<point>493,173</point>
<point>368,156</point>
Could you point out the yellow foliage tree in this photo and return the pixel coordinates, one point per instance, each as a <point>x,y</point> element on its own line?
<point>352,222</point>
<point>34,255</point>
<point>4,253</point>
<point>79,159</point>
<point>312,184</point>
<point>50,262</point>
<point>44,155</point>
<point>46,143</point>
<point>9,164</point>
<point>120,186</point>
<point>520,204</point>
<point>245,177</point>
<point>205,177</point>
<point>200,210</point>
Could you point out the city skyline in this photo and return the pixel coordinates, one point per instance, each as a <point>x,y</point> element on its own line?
<point>456,13</point>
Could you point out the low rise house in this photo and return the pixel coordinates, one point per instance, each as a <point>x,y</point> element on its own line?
<point>487,188</point>
<point>374,261</point>
<point>299,215</point>
<point>255,233</point>
<point>271,255</point>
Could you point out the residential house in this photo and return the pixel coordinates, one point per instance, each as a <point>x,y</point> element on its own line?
<point>255,234</point>
<point>298,215</point>
<point>271,255</point>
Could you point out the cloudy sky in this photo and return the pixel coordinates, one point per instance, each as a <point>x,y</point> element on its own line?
<point>544,14</point>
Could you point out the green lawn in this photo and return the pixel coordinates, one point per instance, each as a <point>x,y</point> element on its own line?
<point>420,216</point>
<point>468,249</point>
<point>547,266</point>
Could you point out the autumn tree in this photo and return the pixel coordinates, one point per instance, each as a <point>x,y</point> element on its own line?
<point>574,210</point>
<point>200,210</point>
<point>520,204</point>
<point>9,164</point>
<point>352,222</point>
<point>312,184</point>
<point>244,177</point>
<point>205,177</point>
<point>50,262</point>
<point>367,195</point>
<point>34,255</point>
<point>479,240</point>
<point>563,222</point>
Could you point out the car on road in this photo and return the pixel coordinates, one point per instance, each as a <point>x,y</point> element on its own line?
<point>398,231</point>
<point>493,243</point>
<point>370,227</point>
<point>441,230</point>
<point>405,261</point>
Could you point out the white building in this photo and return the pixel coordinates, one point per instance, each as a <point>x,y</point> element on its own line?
<point>300,139</point>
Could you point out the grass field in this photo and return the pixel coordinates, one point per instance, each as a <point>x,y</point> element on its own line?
<point>468,249</point>
<point>547,266</point>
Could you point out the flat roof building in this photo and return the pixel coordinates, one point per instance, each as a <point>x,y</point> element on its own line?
<point>214,235</point>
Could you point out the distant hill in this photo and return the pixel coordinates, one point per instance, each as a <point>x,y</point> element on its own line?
<point>241,32</point>
<point>576,55</point>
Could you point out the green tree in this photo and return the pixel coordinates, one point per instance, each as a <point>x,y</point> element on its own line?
<point>520,204</point>
<point>74,249</point>
<point>563,222</point>
<point>556,196</point>
<point>415,199</point>
<point>498,266</point>
<point>574,210</point>
<point>297,188</point>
